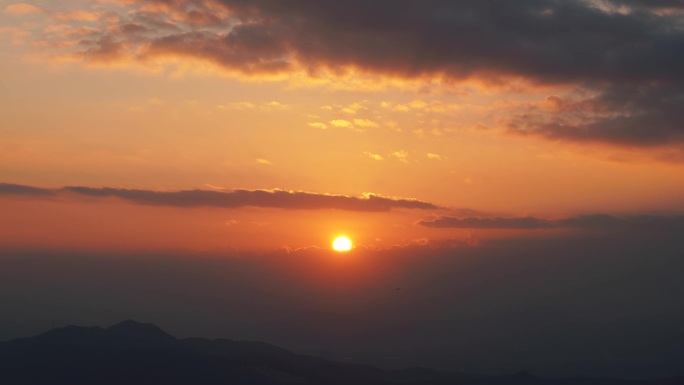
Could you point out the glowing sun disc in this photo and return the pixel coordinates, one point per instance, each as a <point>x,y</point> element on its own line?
<point>342,243</point>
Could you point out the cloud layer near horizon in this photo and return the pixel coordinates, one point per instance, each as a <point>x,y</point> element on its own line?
<point>595,221</point>
<point>227,199</point>
<point>622,57</point>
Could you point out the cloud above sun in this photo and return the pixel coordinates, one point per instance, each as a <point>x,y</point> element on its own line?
<point>622,58</point>
<point>295,200</point>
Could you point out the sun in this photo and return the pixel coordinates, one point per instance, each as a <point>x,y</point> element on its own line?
<point>342,243</point>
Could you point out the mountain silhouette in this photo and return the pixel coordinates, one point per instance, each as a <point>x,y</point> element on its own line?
<point>135,353</point>
<point>127,334</point>
<point>139,333</point>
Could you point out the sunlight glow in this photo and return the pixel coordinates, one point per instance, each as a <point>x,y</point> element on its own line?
<point>342,243</point>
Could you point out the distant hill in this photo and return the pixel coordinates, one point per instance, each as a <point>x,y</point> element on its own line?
<point>135,353</point>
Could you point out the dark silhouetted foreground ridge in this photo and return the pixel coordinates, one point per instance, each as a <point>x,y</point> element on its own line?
<point>136,353</point>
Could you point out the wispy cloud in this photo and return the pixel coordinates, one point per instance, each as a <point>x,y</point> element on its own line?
<point>594,221</point>
<point>17,189</point>
<point>374,156</point>
<point>401,155</point>
<point>22,9</point>
<point>237,198</point>
<point>342,123</point>
<point>318,125</point>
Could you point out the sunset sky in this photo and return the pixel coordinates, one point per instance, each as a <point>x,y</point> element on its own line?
<point>255,125</point>
<point>190,162</point>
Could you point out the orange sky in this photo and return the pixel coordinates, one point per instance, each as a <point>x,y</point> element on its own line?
<point>166,118</point>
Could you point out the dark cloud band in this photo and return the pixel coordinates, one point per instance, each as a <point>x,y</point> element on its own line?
<point>545,40</point>
<point>228,199</point>
<point>595,221</point>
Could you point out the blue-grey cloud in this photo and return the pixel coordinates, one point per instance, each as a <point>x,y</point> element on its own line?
<point>17,189</point>
<point>547,40</point>
<point>488,223</point>
<point>594,221</point>
<point>229,199</point>
<point>627,114</point>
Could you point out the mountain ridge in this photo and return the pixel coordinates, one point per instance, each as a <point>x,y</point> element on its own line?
<point>136,353</point>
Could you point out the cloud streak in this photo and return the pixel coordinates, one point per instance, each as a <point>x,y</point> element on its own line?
<point>594,221</point>
<point>295,200</point>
